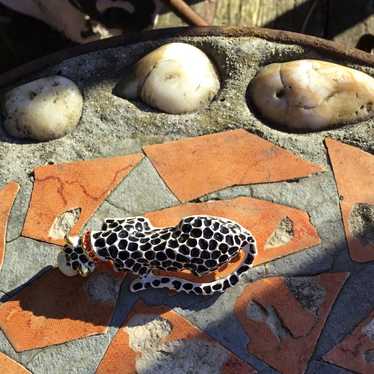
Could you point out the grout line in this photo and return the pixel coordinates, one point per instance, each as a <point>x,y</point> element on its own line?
<point>14,239</point>
<point>162,179</point>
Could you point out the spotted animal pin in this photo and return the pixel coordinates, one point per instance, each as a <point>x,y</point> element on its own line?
<point>200,244</point>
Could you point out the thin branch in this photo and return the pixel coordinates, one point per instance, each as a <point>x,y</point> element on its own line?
<point>186,12</point>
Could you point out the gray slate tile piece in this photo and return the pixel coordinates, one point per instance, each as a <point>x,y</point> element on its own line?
<point>24,259</point>
<point>143,190</point>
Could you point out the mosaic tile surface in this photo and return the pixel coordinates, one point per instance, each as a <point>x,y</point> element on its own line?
<point>284,317</point>
<point>197,166</point>
<point>162,333</point>
<point>356,351</point>
<point>294,312</point>
<point>62,188</point>
<point>354,174</point>
<point>9,366</point>
<point>56,309</point>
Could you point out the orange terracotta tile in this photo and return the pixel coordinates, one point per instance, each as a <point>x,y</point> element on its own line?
<point>260,217</point>
<point>356,351</point>
<point>55,309</point>
<point>7,196</point>
<point>354,175</point>
<point>138,340</point>
<point>284,326</point>
<point>64,187</point>
<point>197,166</point>
<point>9,366</point>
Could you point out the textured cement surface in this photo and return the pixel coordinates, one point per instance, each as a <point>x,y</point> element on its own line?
<point>113,126</point>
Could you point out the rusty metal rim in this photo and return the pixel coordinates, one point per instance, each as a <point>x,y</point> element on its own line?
<point>327,46</point>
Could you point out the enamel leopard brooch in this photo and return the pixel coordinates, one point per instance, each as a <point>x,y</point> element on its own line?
<point>200,244</point>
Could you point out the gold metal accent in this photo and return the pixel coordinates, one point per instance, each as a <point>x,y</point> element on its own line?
<point>82,273</point>
<point>68,240</point>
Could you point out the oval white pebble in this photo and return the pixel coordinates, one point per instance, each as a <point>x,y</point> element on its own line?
<point>44,109</point>
<point>312,95</point>
<point>175,78</point>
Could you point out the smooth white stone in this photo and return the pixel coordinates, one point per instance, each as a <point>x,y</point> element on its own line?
<point>175,78</point>
<point>44,109</point>
<point>312,95</point>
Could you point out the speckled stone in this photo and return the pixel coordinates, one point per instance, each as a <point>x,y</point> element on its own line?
<point>312,95</point>
<point>44,109</point>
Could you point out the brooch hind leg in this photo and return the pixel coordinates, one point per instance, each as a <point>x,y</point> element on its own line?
<point>144,282</point>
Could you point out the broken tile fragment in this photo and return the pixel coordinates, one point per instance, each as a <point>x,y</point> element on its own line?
<point>197,166</point>
<point>354,175</point>
<point>284,317</point>
<point>66,195</point>
<point>156,339</point>
<point>55,309</point>
<point>356,351</point>
<point>7,196</point>
<point>265,220</point>
<point>9,366</point>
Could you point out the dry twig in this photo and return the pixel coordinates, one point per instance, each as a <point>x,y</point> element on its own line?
<point>185,11</point>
